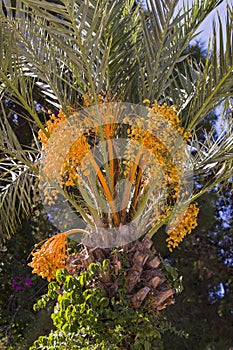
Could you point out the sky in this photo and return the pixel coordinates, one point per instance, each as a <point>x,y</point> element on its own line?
<point>206,26</point>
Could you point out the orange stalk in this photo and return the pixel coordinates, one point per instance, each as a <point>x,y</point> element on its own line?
<point>69,232</point>
<point>128,186</point>
<point>75,230</point>
<point>137,188</point>
<point>106,189</point>
<point>111,163</point>
<point>97,218</point>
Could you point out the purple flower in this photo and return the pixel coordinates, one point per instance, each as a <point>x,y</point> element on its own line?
<point>19,288</point>
<point>21,283</point>
<point>28,282</point>
<point>13,283</point>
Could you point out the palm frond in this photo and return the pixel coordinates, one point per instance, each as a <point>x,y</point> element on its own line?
<point>16,194</point>
<point>78,45</point>
<point>214,156</point>
<point>17,178</point>
<point>206,86</point>
<point>63,49</point>
<point>68,49</point>
<point>166,34</point>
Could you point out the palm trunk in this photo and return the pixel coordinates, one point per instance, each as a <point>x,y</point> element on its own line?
<point>140,267</point>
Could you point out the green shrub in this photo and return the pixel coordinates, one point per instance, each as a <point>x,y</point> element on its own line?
<point>86,319</point>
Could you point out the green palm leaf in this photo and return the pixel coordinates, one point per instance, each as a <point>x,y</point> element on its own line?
<point>16,179</point>
<point>16,194</point>
<point>207,86</point>
<point>56,51</point>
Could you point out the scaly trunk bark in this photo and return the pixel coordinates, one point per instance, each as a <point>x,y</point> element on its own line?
<point>138,261</point>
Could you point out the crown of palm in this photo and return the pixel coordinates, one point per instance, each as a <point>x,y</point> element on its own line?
<point>55,53</point>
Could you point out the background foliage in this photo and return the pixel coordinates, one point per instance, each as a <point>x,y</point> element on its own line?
<point>204,309</point>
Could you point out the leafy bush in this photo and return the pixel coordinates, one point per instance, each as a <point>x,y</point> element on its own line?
<point>86,319</point>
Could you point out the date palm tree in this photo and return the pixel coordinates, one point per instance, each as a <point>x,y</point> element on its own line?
<point>65,55</point>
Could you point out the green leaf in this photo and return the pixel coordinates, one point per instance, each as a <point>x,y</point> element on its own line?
<point>104,303</point>
<point>94,267</point>
<point>61,274</point>
<point>64,303</point>
<point>69,283</point>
